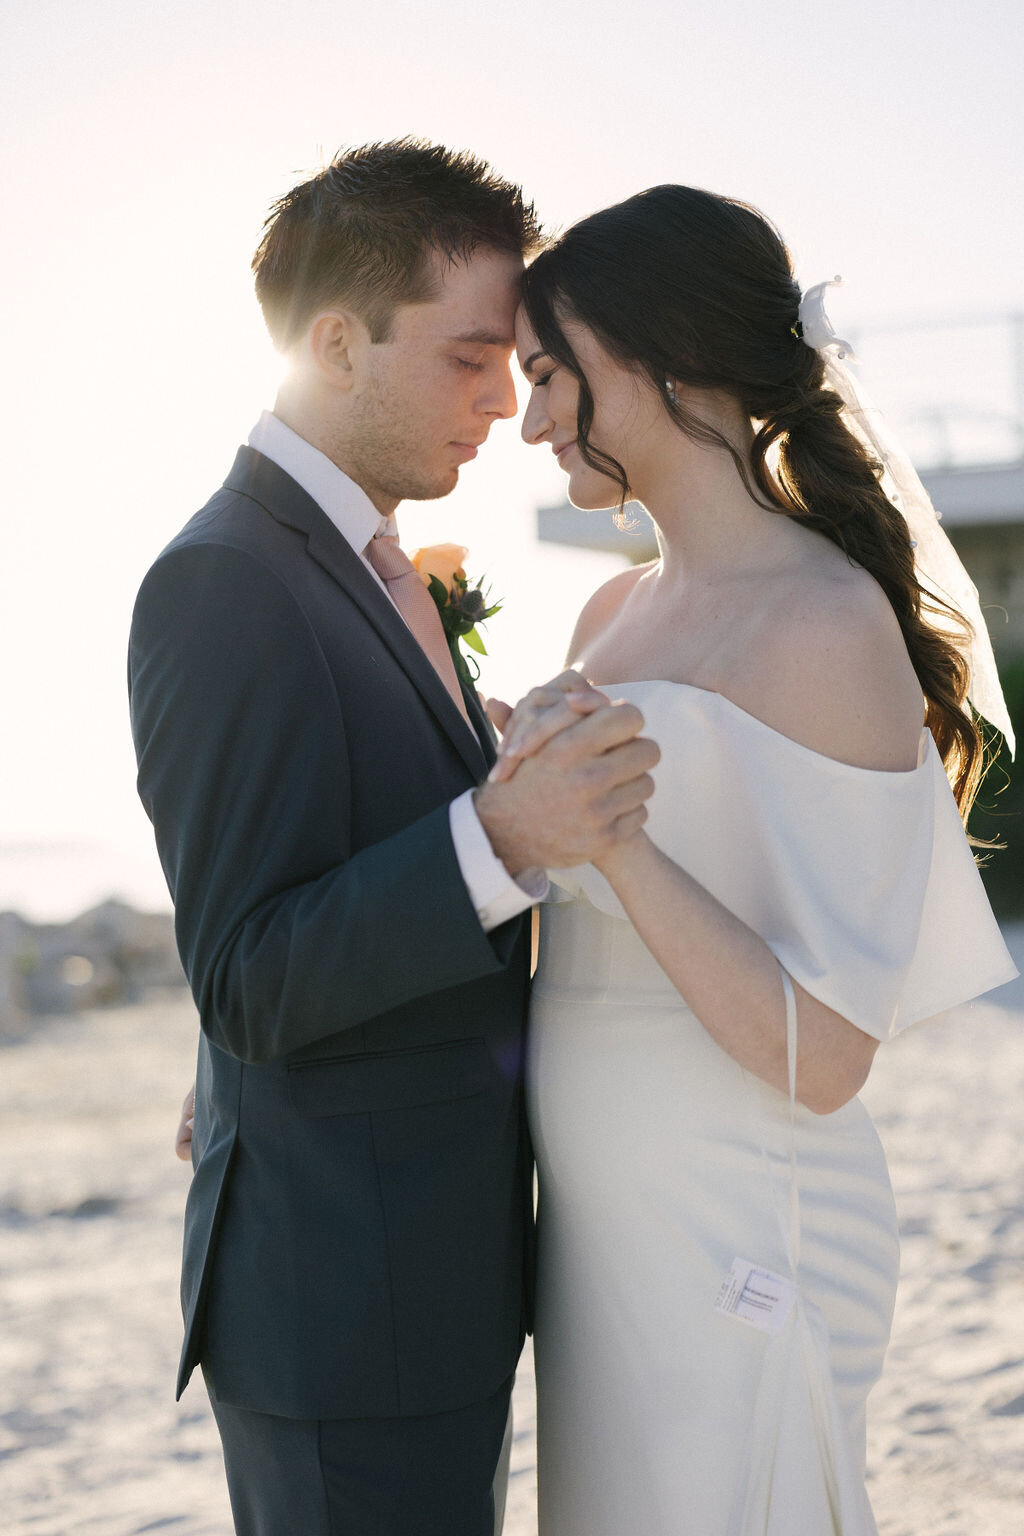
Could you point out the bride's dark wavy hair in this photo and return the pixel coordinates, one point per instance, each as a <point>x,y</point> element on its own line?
<point>681,284</point>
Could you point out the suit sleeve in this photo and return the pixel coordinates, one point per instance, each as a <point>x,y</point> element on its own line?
<point>285,934</point>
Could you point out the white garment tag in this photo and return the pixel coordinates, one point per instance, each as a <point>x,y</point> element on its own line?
<point>756,1296</point>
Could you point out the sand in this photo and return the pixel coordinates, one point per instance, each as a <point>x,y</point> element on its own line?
<point>91,1197</point>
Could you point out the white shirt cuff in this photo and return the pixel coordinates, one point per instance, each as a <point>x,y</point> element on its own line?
<point>492,890</point>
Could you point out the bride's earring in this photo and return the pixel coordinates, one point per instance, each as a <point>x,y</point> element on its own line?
<point>670,391</point>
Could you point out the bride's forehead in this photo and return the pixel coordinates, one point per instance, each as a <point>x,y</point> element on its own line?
<point>526,336</point>
<point>528,343</point>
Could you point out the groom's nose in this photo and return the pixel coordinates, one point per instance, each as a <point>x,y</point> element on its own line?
<point>499,398</point>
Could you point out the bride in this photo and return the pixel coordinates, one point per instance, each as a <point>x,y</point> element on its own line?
<point>718,1242</point>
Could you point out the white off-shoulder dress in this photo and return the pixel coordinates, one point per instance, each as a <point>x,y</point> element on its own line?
<point>705,1343</point>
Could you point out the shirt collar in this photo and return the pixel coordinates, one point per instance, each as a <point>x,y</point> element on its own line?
<point>345,503</point>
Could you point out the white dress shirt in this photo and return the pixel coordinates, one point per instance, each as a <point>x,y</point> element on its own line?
<point>493,892</point>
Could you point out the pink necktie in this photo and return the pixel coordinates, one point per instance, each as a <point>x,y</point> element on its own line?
<point>417,608</point>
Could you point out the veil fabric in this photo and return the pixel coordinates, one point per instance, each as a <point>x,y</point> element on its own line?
<point>938,567</point>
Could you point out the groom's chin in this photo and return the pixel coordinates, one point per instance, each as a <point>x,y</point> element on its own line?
<point>428,485</point>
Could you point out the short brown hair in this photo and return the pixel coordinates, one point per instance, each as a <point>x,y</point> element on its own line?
<point>363,230</point>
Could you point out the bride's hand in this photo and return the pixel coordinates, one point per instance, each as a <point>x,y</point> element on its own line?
<point>544,712</point>
<point>183,1136</point>
<point>498,713</point>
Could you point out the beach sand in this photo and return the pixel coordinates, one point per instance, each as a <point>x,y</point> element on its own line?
<point>91,1440</point>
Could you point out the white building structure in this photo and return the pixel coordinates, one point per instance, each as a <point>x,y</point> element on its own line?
<point>982,510</point>
<point>963,380</point>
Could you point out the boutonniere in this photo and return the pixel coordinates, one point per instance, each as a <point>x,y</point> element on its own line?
<point>462,604</point>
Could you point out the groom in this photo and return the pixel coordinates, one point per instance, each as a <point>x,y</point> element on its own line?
<point>349,906</point>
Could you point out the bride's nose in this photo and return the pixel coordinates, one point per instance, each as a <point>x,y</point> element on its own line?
<point>536,422</point>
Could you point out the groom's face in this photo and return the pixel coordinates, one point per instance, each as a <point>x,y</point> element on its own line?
<point>432,391</point>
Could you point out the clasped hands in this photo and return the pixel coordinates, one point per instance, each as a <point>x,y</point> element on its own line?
<point>569,787</point>
<point>571,780</point>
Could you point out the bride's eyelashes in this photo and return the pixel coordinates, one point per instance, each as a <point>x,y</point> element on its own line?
<point>527,369</point>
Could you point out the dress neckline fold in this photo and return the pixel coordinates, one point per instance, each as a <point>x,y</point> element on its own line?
<point>925,746</point>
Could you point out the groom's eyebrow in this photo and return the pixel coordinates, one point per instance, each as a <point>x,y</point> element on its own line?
<point>485,338</point>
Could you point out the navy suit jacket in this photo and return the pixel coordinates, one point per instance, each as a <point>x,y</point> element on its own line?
<point>358,1234</point>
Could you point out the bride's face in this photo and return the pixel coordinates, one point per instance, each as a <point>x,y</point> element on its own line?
<point>628,416</point>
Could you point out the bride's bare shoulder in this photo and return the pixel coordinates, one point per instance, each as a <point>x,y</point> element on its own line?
<point>830,669</point>
<point>603,606</point>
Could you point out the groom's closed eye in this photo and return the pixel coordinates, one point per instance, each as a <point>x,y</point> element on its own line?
<point>476,343</point>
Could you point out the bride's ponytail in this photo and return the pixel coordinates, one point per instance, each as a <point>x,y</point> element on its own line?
<point>679,284</point>
<point>828,479</point>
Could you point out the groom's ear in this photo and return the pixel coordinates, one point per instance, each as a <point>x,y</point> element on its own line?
<point>338,344</point>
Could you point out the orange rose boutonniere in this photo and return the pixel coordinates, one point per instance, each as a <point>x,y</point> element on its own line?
<point>462,604</point>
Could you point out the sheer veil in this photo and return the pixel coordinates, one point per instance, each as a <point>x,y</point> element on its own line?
<point>939,568</point>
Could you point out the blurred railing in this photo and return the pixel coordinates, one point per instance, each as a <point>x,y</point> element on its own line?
<point>953,386</point>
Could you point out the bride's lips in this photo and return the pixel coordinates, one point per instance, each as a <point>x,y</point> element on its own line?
<point>561,452</point>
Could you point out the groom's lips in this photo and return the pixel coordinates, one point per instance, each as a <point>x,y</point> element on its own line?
<point>468,449</point>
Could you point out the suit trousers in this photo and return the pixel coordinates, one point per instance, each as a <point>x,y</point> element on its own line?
<point>435,1475</point>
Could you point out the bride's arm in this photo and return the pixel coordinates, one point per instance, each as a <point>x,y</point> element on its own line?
<point>730,979</point>
<point>847,690</point>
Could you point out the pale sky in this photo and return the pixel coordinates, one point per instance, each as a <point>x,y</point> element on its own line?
<point>142,145</point>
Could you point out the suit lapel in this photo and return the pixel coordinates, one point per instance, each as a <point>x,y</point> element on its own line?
<point>330,550</point>
<point>484,729</point>
<point>265,482</point>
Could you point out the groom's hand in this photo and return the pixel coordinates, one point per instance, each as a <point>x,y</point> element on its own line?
<point>582,792</point>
